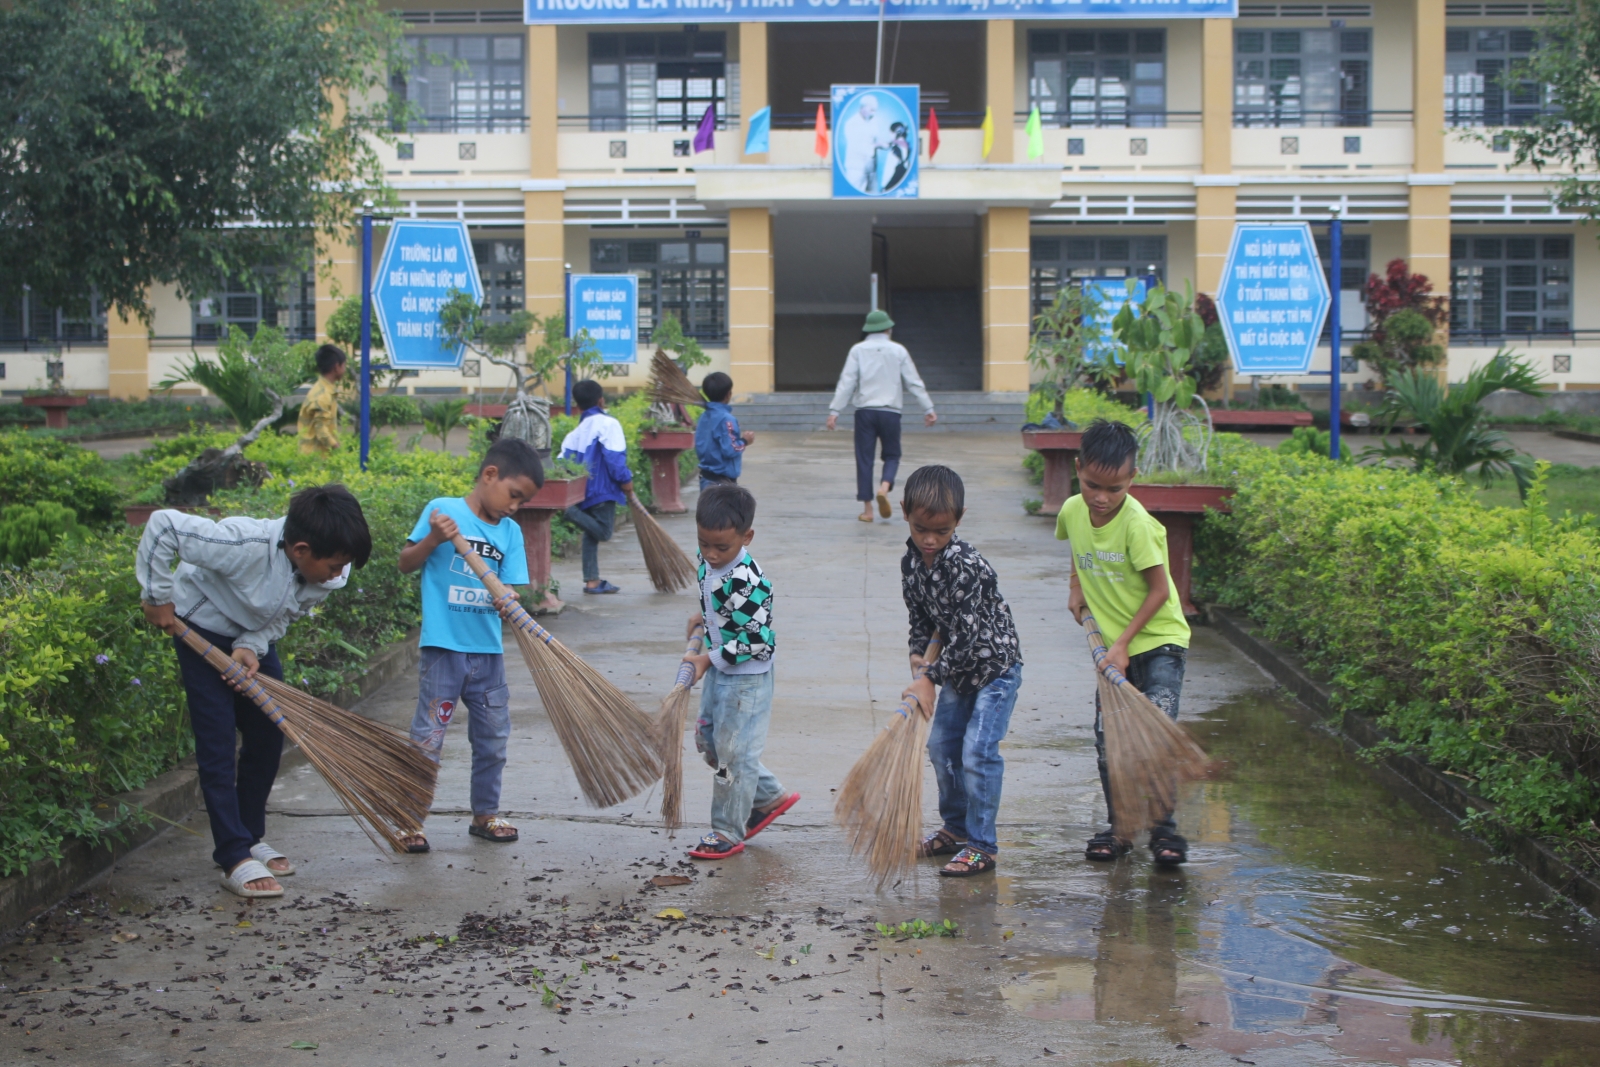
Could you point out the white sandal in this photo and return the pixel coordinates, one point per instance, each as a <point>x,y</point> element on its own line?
<point>237,882</point>
<point>265,854</point>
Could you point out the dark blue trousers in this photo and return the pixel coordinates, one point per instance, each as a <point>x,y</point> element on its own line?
<point>235,790</point>
<point>872,426</point>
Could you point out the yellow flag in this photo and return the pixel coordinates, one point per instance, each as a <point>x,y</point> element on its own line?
<point>988,131</point>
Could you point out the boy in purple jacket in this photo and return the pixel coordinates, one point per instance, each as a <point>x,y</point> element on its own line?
<point>597,442</point>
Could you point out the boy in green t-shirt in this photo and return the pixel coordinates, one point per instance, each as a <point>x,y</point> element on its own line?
<point>1119,574</point>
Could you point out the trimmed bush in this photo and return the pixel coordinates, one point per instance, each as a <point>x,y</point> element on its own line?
<point>38,468</point>
<point>28,531</point>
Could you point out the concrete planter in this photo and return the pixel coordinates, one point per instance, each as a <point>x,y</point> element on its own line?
<point>664,447</point>
<point>1060,451</point>
<point>557,494</point>
<point>1175,507</point>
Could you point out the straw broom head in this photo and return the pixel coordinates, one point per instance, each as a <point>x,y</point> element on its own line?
<point>670,567</point>
<point>606,737</point>
<point>880,800</point>
<point>668,737</point>
<point>379,774</point>
<point>669,385</point>
<point>1148,756</point>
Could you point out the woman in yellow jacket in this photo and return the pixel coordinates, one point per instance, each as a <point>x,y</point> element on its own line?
<point>319,415</point>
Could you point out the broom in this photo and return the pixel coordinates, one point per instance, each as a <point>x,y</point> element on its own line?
<point>880,800</point>
<point>605,735</point>
<point>669,737</point>
<point>378,773</point>
<point>669,385</point>
<point>670,567</point>
<point>1147,754</point>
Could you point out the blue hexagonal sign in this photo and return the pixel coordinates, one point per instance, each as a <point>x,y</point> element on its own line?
<point>1273,298</point>
<point>422,262</point>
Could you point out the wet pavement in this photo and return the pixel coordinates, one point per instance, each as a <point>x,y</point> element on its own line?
<point>1323,919</point>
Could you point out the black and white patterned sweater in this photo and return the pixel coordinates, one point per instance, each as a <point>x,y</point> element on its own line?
<point>959,597</point>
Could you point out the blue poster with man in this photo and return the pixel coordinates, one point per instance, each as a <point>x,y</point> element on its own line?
<point>875,141</point>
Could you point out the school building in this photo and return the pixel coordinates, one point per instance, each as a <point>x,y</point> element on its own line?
<point>564,135</point>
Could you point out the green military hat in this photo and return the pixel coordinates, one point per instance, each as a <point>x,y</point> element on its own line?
<point>877,322</point>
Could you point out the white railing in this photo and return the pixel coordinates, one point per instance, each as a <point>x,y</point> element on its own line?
<point>1148,207</point>
<point>1318,206</point>
<point>1491,207</point>
<point>639,211</point>
<point>472,212</point>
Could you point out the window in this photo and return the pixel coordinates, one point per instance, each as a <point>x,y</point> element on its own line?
<point>1056,260</point>
<point>1477,91</point>
<point>677,276</point>
<point>1105,78</point>
<point>1302,77</point>
<point>500,268</point>
<point>27,322</point>
<point>657,81</point>
<point>1355,263</point>
<point>286,299</point>
<point>465,84</point>
<point>1503,286</point>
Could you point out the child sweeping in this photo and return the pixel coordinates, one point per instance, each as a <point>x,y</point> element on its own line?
<point>462,651</point>
<point>239,583</point>
<point>736,703</point>
<point>1119,574</point>
<point>951,590</point>
<point>718,441</point>
<point>598,443</point>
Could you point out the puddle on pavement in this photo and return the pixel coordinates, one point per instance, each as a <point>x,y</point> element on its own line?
<point>1321,919</point>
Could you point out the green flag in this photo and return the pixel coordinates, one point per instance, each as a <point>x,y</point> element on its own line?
<point>1035,131</point>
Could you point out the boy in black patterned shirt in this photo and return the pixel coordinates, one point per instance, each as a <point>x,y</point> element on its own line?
<point>951,590</point>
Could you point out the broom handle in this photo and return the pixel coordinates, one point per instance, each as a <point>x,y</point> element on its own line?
<point>686,670</point>
<point>233,673</point>
<point>499,593</point>
<point>1097,648</point>
<point>929,654</point>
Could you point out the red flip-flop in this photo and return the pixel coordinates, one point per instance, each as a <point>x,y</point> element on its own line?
<point>760,820</point>
<point>714,846</point>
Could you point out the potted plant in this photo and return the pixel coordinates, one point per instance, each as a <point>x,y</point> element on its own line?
<point>1060,352</point>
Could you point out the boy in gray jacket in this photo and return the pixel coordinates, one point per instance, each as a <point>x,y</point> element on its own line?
<point>239,583</point>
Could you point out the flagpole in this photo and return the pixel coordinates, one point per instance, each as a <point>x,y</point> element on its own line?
<point>877,70</point>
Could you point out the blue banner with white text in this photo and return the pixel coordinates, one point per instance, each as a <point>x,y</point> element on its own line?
<point>675,11</point>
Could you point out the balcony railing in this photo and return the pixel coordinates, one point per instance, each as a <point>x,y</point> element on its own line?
<point>640,123</point>
<point>494,123</point>
<point>1281,117</point>
<point>1106,119</point>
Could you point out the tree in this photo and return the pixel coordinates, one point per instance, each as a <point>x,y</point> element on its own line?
<point>1405,317</point>
<point>344,330</point>
<point>1161,337</point>
<point>1566,136</point>
<point>1063,336</point>
<point>152,142</point>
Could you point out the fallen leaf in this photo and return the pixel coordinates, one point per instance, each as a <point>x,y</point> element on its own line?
<point>305,1045</point>
<point>1008,935</point>
<point>242,923</point>
<point>663,880</point>
<point>124,936</point>
<point>671,915</point>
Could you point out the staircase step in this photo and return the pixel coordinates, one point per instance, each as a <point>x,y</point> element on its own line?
<point>958,411</point>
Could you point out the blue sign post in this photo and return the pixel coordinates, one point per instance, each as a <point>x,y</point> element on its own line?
<point>875,142</point>
<point>1273,298</point>
<point>422,264</point>
<point>606,307</point>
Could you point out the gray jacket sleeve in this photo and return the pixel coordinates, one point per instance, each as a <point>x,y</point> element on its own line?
<point>848,380</point>
<point>913,382</point>
<point>173,537</point>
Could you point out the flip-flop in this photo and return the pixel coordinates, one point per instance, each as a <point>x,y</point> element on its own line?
<point>714,846</point>
<point>976,862</point>
<point>865,517</point>
<point>760,820</point>
<point>237,881</point>
<point>884,510</point>
<point>487,831</point>
<point>603,587</point>
<point>417,847</point>
<point>264,854</point>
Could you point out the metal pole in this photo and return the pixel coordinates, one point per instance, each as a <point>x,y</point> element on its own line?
<point>566,312</point>
<point>1336,254</point>
<point>877,69</point>
<point>366,332</point>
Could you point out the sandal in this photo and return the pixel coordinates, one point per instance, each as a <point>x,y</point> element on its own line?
<point>714,846</point>
<point>1104,847</point>
<point>264,854</point>
<point>760,820</point>
<point>489,831</point>
<point>237,881</point>
<point>883,506</point>
<point>976,863</point>
<point>1168,848</point>
<point>940,843</point>
<point>415,843</point>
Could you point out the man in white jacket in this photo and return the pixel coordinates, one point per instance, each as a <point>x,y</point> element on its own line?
<point>239,583</point>
<point>874,379</point>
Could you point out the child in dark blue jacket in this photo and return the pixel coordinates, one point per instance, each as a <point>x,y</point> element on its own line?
<point>597,442</point>
<point>718,442</point>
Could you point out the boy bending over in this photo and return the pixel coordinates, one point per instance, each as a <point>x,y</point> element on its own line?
<point>1119,574</point>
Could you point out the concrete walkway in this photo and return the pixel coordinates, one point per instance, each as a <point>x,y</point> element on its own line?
<point>549,950</point>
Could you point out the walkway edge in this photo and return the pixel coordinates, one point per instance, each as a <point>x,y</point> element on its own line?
<point>173,796</point>
<point>1361,732</point>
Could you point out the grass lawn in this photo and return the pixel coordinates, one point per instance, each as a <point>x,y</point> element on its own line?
<point>1571,488</point>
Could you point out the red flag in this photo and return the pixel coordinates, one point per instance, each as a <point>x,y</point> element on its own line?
<point>822,133</point>
<point>933,132</point>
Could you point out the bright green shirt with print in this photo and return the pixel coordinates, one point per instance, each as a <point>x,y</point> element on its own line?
<point>1109,561</point>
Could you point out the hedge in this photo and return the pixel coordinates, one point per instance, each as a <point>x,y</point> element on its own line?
<point>1471,632</point>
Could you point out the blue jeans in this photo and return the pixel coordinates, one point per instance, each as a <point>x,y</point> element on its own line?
<point>597,523</point>
<point>235,790</point>
<point>1158,674</point>
<point>735,710</point>
<point>964,746</point>
<point>478,680</point>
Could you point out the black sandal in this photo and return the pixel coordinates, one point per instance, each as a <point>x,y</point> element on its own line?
<point>1168,848</point>
<point>1104,847</point>
<point>940,843</point>
<point>977,863</point>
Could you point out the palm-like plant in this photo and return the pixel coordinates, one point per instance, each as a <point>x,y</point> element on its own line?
<point>1459,437</point>
<point>252,374</point>
<point>441,417</point>
<point>1161,337</point>
<point>1065,335</point>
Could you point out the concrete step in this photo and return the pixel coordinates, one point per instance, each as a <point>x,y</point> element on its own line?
<point>971,412</point>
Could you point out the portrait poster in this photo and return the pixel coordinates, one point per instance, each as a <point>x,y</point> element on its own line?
<point>876,141</point>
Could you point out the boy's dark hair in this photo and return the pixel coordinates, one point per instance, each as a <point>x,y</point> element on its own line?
<point>1108,445</point>
<point>329,357</point>
<point>935,490</point>
<point>587,393</point>
<point>717,386</point>
<point>725,507</point>
<point>513,457</point>
<point>328,518</point>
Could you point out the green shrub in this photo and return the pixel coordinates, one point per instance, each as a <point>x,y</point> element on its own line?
<point>385,409</point>
<point>36,468</point>
<point>28,531</point>
<point>1307,440</point>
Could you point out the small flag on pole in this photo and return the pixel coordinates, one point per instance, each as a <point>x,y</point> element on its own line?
<point>988,131</point>
<point>933,133</point>
<point>1035,131</point>
<point>705,138</point>
<point>821,147</point>
<point>758,134</point>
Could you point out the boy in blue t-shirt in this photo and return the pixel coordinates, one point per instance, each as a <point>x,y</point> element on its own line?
<point>462,648</point>
<point>718,441</point>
